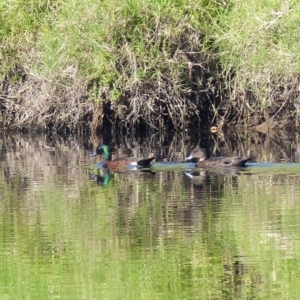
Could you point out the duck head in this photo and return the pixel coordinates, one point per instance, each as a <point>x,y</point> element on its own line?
<point>102,150</point>
<point>198,154</point>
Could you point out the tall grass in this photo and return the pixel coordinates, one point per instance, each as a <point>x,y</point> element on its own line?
<point>258,44</point>
<point>163,61</point>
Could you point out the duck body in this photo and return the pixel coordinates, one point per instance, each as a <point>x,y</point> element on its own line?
<point>121,162</point>
<point>220,161</point>
<point>216,161</point>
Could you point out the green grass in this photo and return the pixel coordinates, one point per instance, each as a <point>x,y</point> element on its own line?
<point>138,49</point>
<point>261,39</point>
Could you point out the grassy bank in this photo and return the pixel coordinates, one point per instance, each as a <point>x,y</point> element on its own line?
<point>70,64</point>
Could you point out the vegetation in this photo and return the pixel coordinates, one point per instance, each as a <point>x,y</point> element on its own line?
<point>67,64</point>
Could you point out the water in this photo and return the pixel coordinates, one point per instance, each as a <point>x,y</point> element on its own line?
<point>70,231</point>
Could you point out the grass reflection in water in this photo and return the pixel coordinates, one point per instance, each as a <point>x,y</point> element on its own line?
<point>152,235</point>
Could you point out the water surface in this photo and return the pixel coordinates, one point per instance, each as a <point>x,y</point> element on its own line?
<point>70,231</point>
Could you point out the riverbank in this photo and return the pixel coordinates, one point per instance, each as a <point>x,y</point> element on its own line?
<point>76,65</point>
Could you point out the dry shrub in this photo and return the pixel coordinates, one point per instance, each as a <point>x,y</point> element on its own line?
<point>156,105</point>
<point>268,98</point>
<point>39,104</point>
<point>169,85</point>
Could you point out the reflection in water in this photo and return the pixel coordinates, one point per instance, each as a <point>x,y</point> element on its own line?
<point>72,230</point>
<point>199,177</point>
<point>102,177</point>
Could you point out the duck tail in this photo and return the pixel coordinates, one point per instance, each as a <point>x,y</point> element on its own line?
<point>242,162</point>
<point>145,162</point>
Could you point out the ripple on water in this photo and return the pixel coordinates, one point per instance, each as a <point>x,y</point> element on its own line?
<point>69,232</point>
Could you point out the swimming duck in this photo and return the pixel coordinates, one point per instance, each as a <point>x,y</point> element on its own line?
<point>120,162</point>
<point>216,161</point>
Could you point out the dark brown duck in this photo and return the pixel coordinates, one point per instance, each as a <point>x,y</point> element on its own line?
<point>216,161</point>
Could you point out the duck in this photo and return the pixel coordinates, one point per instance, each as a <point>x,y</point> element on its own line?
<point>121,162</point>
<point>216,161</point>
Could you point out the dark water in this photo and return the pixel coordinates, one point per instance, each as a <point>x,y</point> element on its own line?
<point>70,231</point>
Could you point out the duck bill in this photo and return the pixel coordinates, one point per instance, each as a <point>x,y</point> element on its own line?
<point>189,157</point>
<point>93,154</point>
